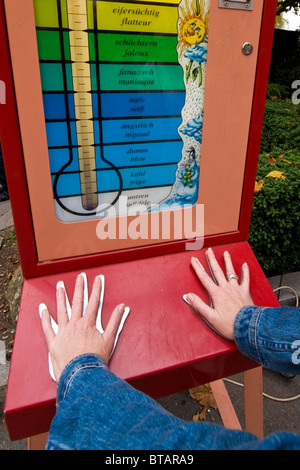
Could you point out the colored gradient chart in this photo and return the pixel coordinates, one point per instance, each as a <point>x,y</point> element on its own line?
<point>113,93</point>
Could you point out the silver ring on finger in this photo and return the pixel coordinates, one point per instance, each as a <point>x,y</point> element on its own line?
<point>232,276</point>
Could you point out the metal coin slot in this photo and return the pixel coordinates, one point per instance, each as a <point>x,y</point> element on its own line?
<point>237,4</point>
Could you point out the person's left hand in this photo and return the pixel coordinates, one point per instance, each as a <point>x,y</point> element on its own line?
<point>78,334</point>
<point>228,295</point>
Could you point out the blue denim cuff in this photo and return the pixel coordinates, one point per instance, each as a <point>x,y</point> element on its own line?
<point>245,331</point>
<point>84,361</point>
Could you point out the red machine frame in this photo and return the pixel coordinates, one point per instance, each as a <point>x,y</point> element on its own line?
<point>217,359</point>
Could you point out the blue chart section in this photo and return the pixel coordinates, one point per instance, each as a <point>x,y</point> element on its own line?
<point>136,130</point>
<point>146,139</point>
<point>133,178</point>
<point>119,130</point>
<point>116,105</point>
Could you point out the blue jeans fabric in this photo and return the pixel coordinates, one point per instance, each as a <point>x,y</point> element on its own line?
<point>97,410</point>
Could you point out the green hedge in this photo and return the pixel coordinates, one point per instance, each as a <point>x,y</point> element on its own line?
<point>275,224</point>
<point>281,127</point>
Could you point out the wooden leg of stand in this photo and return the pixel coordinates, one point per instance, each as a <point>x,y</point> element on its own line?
<point>37,442</point>
<point>253,397</point>
<point>225,407</point>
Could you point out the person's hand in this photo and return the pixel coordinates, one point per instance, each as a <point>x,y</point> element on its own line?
<point>78,334</point>
<point>228,296</point>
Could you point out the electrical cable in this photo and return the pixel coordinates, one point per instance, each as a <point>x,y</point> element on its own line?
<point>291,289</point>
<point>265,394</point>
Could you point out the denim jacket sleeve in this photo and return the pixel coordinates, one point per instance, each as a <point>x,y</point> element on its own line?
<point>270,336</point>
<point>98,410</point>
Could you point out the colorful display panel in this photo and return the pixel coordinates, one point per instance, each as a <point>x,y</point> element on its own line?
<point>123,91</point>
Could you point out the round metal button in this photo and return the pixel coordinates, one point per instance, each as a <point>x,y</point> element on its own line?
<point>247,48</point>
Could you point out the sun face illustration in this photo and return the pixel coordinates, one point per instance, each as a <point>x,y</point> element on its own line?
<point>192,25</point>
<point>193,31</point>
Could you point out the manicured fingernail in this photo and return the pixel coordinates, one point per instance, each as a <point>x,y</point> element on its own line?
<point>198,262</point>
<point>59,285</point>
<point>42,307</point>
<point>188,298</point>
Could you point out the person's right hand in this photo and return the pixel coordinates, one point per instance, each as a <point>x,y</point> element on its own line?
<point>228,297</point>
<point>79,335</point>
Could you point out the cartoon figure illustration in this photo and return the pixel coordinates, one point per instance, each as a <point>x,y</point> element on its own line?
<point>192,56</point>
<point>187,177</point>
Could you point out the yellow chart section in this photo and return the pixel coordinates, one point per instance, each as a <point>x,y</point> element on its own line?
<point>137,17</point>
<point>171,2</point>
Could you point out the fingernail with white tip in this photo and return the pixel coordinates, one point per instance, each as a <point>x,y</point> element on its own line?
<point>59,285</point>
<point>42,307</point>
<point>198,262</point>
<point>187,298</point>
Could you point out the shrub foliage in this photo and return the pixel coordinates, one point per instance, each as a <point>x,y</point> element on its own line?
<point>275,225</point>
<point>281,127</point>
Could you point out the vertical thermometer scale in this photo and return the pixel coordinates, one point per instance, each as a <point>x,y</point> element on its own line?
<point>81,74</point>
